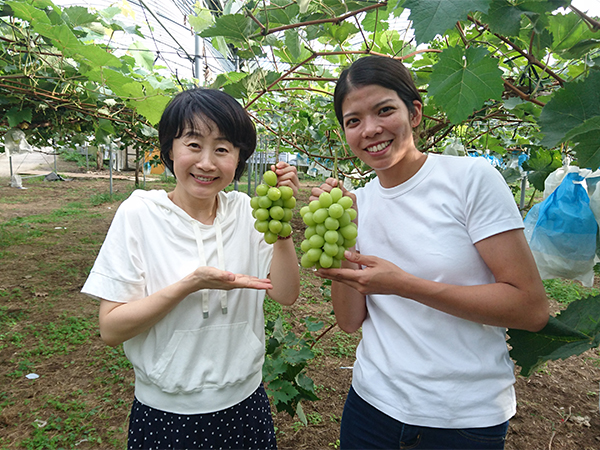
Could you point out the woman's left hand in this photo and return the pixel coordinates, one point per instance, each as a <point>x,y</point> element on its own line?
<point>287,176</point>
<point>377,275</point>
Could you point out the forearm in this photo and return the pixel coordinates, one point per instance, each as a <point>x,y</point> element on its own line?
<point>349,305</point>
<point>284,274</point>
<point>120,322</point>
<point>497,304</point>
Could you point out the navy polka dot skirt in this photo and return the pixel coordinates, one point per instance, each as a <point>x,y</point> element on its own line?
<point>247,425</point>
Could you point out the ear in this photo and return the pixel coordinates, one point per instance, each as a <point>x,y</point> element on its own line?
<point>417,115</point>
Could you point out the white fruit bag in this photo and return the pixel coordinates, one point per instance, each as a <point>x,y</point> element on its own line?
<point>561,231</point>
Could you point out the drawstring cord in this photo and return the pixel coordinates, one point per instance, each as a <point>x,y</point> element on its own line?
<point>221,262</point>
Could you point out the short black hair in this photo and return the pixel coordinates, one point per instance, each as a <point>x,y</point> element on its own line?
<point>191,105</point>
<point>379,70</point>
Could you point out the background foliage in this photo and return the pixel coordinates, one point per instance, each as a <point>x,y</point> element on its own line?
<point>497,76</point>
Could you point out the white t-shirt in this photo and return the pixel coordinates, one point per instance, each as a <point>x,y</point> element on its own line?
<point>417,364</point>
<point>188,363</point>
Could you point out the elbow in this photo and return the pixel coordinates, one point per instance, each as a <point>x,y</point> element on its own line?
<point>540,316</point>
<point>538,323</point>
<point>349,326</point>
<point>109,340</point>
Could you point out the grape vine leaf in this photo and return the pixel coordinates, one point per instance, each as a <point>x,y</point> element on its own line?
<point>433,17</point>
<point>233,26</point>
<point>282,392</point>
<point>15,116</point>
<point>504,18</point>
<point>572,105</point>
<point>587,137</point>
<point>570,333</point>
<point>571,36</point>
<point>541,163</point>
<point>463,80</point>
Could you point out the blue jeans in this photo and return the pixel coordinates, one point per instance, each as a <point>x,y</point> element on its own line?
<point>365,427</point>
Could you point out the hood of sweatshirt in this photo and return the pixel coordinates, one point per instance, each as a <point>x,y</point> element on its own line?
<point>226,216</point>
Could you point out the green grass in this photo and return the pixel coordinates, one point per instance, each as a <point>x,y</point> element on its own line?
<point>567,291</point>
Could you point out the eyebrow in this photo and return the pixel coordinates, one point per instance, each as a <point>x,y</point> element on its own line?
<point>194,134</point>
<point>375,106</point>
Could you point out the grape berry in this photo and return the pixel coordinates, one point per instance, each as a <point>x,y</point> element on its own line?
<point>272,208</point>
<point>330,230</point>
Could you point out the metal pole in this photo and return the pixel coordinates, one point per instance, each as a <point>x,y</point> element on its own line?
<point>197,57</point>
<point>110,168</point>
<point>250,176</point>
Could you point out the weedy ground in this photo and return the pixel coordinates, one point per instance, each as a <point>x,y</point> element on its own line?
<point>61,387</point>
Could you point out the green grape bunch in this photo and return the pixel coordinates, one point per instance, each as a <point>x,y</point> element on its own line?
<point>272,208</point>
<point>330,230</point>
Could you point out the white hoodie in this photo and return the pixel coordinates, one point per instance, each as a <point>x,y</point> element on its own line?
<point>207,353</point>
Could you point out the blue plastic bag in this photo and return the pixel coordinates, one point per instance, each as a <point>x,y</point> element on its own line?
<point>561,232</point>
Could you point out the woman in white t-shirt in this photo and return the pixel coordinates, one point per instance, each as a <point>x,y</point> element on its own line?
<point>181,279</point>
<point>441,268</point>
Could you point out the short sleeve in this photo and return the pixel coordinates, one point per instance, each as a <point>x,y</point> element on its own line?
<point>118,273</point>
<point>490,206</point>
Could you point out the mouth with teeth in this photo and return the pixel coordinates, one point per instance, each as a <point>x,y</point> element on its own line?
<point>202,179</point>
<point>378,147</point>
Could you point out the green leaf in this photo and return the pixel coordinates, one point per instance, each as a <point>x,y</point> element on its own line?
<point>304,4</point>
<point>27,12</point>
<point>234,26</point>
<point>105,132</point>
<point>433,17</point>
<point>587,137</point>
<point>201,20</point>
<point>504,18</point>
<point>16,116</point>
<point>570,333</point>
<point>62,37</point>
<point>78,16</point>
<point>293,356</point>
<point>142,56</point>
<point>463,80</point>
<point>151,107</point>
<point>572,105</point>
<point>571,36</point>
<point>282,391</point>
<point>293,43</point>
<point>300,414</point>
<point>540,164</point>
<point>97,56</point>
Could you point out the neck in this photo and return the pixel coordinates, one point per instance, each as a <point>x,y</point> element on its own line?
<point>203,211</point>
<point>403,171</point>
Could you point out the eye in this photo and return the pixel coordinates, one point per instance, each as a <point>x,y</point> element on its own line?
<point>386,109</point>
<point>350,122</point>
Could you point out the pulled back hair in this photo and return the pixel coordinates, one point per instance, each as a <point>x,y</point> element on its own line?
<point>379,70</point>
<point>189,107</point>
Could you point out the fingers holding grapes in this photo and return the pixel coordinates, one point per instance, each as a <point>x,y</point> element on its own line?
<point>329,184</point>
<point>374,275</point>
<point>287,175</point>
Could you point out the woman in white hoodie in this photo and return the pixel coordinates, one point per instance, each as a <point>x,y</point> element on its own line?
<point>181,279</point>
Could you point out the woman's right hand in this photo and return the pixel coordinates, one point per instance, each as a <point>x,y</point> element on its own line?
<point>212,278</point>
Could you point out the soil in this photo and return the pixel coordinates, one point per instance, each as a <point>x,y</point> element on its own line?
<point>557,406</point>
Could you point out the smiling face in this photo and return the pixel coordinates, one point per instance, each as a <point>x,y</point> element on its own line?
<point>204,163</point>
<point>379,131</point>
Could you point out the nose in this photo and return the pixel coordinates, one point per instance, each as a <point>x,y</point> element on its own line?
<point>205,161</point>
<point>371,127</point>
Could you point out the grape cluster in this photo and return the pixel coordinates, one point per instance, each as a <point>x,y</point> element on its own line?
<point>330,230</point>
<point>272,208</point>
